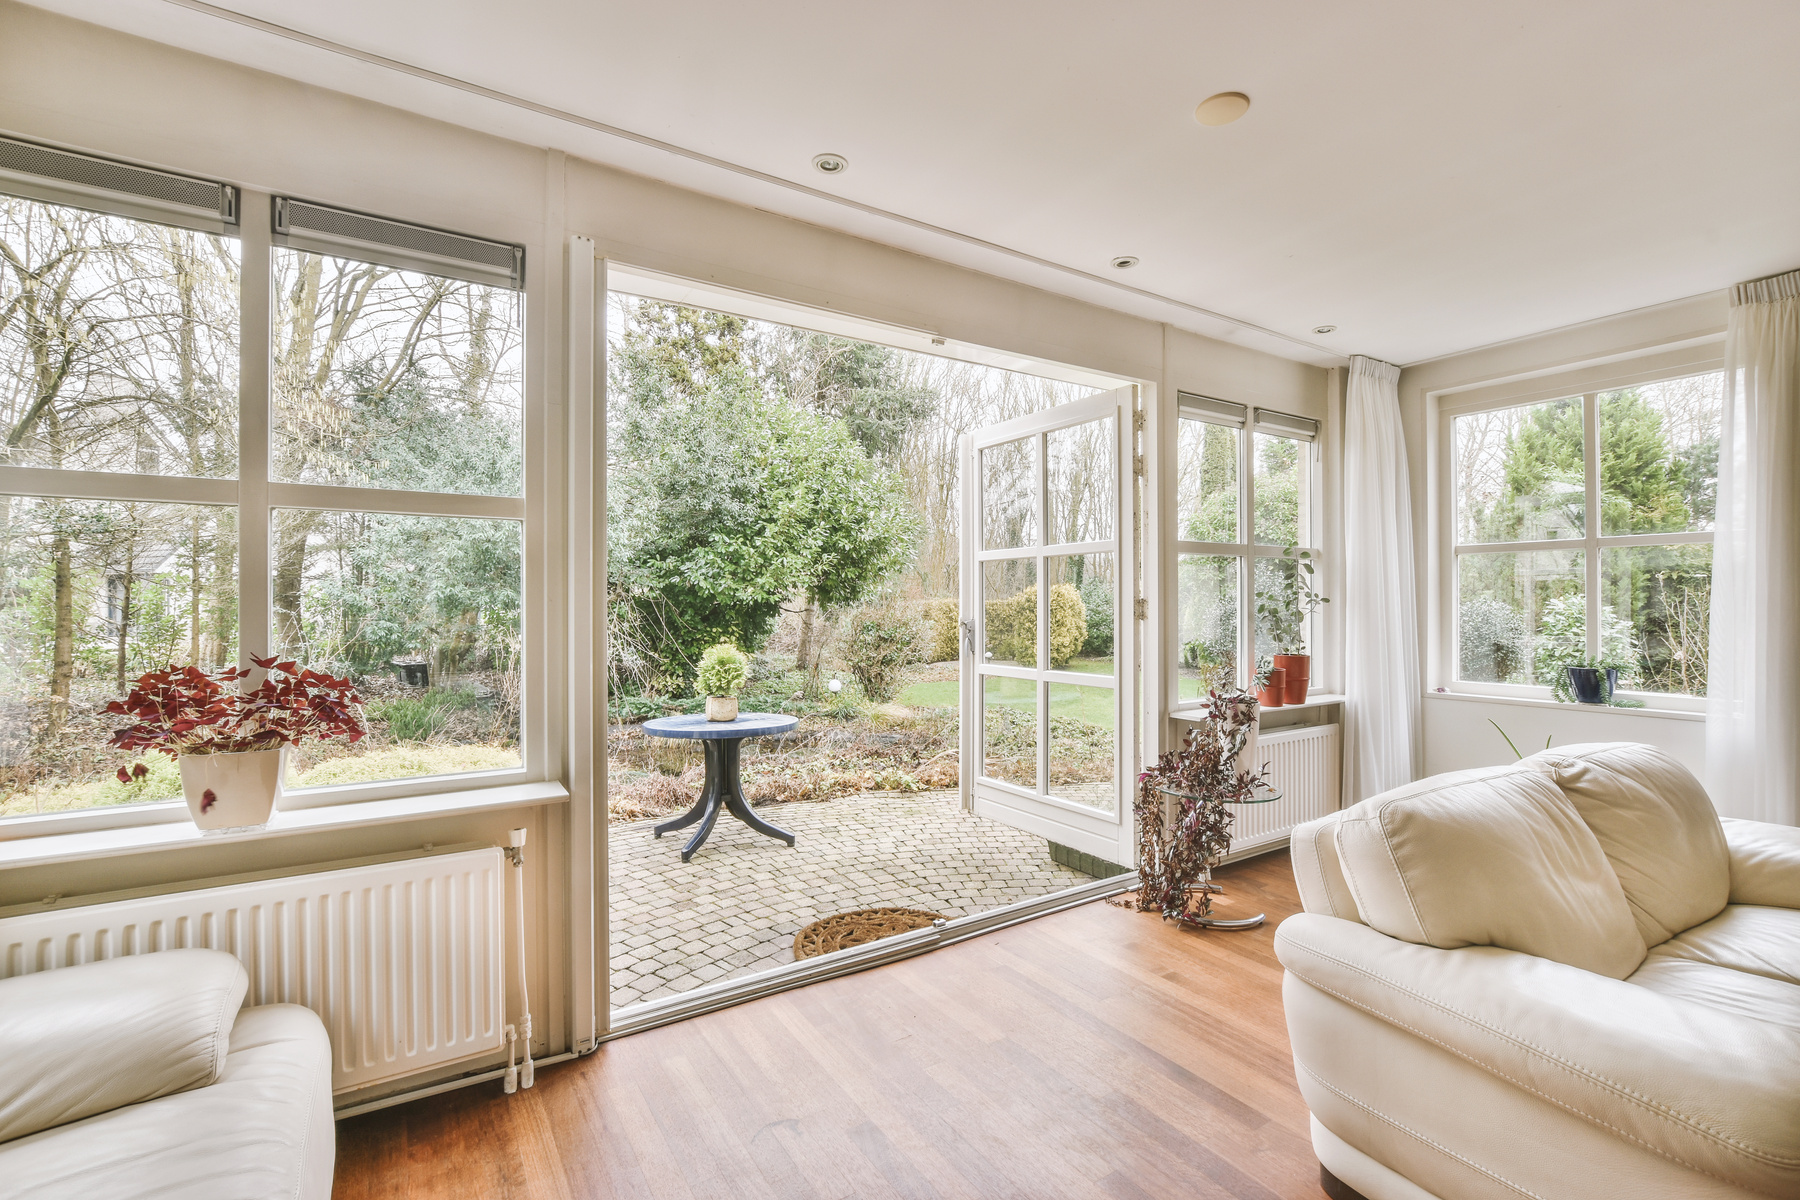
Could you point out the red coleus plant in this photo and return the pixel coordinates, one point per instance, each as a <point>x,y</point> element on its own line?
<point>184,710</point>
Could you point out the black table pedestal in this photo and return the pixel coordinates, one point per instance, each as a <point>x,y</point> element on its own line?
<point>723,790</point>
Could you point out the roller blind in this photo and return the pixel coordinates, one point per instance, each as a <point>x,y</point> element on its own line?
<point>322,229</point>
<point>88,181</point>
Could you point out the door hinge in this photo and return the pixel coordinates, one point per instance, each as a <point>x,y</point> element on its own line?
<point>1143,609</point>
<point>1137,420</point>
<point>1137,464</point>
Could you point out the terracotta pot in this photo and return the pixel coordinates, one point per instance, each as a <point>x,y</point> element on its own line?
<point>232,791</point>
<point>721,708</point>
<point>1270,696</point>
<point>1299,674</point>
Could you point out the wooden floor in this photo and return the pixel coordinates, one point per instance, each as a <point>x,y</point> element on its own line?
<point>1094,1053</point>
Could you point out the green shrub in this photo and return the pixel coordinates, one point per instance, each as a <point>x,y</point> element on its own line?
<point>1097,598</point>
<point>723,670</point>
<point>944,619</point>
<point>420,718</point>
<point>1012,626</point>
<point>883,639</point>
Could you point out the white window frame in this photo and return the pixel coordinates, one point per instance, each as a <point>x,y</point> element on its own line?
<point>1246,550</point>
<point>1697,356</point>
<point>256,497</point>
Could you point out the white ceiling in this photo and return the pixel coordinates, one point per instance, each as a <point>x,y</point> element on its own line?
<point>1426,176</point>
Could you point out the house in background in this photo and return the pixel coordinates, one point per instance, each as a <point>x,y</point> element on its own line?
<point>1001,382</point>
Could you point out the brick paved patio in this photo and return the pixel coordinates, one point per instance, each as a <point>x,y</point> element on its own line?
<point>735,908</point>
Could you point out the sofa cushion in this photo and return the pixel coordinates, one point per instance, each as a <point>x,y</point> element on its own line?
<point>1318,875</point>
<point>1492,858</point>
<point>63,1043</point>
<point>1657,826</point>
<point>1749,938</point>
<point>1737,992</point>
<point>262,1132</point>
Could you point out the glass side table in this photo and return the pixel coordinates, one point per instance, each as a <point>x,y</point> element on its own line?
<point>1262,795</point>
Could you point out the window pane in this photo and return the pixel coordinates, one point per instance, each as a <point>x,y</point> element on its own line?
<point>1093,578</point>
<point>118,344</point>
<point>1083,481</point>
<point>1009,616</point>
<point>1082,720</point>
<point>1520,473</point>
<point>395,379</point>
<point>1659,455</point>
<point>1521,617</point>
<point>422,613</point>
<point>93,595</point>
<point>1657,601</point>
<point>1009,516</point>
<point>1277,587</point>
<point>1207,483</point>
<point>1208,602</point>
<point>1009,730</point>
<point>1283,468</point>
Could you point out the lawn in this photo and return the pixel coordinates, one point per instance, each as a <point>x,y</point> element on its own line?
<point>1091,704</point>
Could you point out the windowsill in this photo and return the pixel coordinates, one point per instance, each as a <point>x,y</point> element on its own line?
<point>1671,714</point>
<point>1313,700</point>
<point>181,835</point>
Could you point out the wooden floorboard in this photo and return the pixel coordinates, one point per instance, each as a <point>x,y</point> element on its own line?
<point>1096,1054</point>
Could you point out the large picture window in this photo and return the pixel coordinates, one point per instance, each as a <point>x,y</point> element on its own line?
<point>1245,486</point>
<point>383,490</point>
<point>1582,533</point>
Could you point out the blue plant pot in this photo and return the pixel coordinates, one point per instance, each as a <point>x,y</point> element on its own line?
<point>1589,686</point>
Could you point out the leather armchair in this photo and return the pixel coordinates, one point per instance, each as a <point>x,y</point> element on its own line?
<point>143,1077</point>
<point>1565,978</point>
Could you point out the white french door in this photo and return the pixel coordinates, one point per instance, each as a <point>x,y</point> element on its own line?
<point>1049,654</point>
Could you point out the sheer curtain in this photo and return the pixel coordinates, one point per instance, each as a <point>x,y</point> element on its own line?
<point>1381,631</point>
<point>1753,668</point>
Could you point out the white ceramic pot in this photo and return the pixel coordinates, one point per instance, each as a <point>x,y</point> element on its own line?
<point>721,708</point>
<point>232,791</point>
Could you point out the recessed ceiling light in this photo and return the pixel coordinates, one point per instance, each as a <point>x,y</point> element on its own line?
<point>1125,262</point>
<point>832,164</point>
<point>1222,109</point>
<point>1325,329</point>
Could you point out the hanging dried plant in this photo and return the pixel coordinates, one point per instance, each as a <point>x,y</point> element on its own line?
<point>1176,857</point>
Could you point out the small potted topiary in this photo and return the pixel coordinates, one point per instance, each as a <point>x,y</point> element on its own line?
<point>231,742</point>
<point>723,670</point>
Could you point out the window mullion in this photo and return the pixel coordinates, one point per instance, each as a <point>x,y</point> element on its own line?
<point>1247,556</point>
<point>255,359</point>
<point>1590,428</point>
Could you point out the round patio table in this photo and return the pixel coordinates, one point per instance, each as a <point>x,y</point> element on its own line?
<point>720,740</point>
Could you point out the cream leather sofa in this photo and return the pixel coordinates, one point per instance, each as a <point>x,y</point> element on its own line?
<point>141,1077</point>
<point>1564,979</point>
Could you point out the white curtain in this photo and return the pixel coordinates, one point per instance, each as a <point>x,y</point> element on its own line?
<point>1753,669</point>
<point>1381,629</point>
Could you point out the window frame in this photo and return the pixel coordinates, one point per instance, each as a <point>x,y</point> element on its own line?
<point>256,496</point>
<point>1245,550</point>
<point>1656,364</point>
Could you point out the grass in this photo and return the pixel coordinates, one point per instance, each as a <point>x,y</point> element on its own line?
<point>1090,704</point>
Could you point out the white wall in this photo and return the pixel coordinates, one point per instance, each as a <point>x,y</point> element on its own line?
<point>1457,730</point>
<point>95,89</point>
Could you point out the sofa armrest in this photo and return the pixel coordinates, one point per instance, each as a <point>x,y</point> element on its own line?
<point>1715,1092</point>
<point>1765,863</point>
<point>85,1040</point>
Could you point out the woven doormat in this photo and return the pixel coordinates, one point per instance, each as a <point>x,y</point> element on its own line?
<point>856,928</point>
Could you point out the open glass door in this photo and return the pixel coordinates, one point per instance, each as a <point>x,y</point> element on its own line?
<point>1049,666</point>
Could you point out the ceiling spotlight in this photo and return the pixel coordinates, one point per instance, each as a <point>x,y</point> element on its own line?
<point>1125,262</point>
<point>1222,109</point>
<point>1325,329</point>
<point>832,164</point>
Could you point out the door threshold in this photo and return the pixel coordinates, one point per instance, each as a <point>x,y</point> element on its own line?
<point>713,996</point>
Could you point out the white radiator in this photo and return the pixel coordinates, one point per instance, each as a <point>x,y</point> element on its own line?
<point>402,960</point>
<point>1305,767</point>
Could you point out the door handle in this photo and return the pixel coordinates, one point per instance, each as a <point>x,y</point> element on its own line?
<point>968,632</point>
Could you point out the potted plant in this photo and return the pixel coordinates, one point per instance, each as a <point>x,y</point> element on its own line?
<point>723,669</point>
<point>231,742</point>
<point>1268,683</point>
<point>1587,681</point>
<point>1283,610</point>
